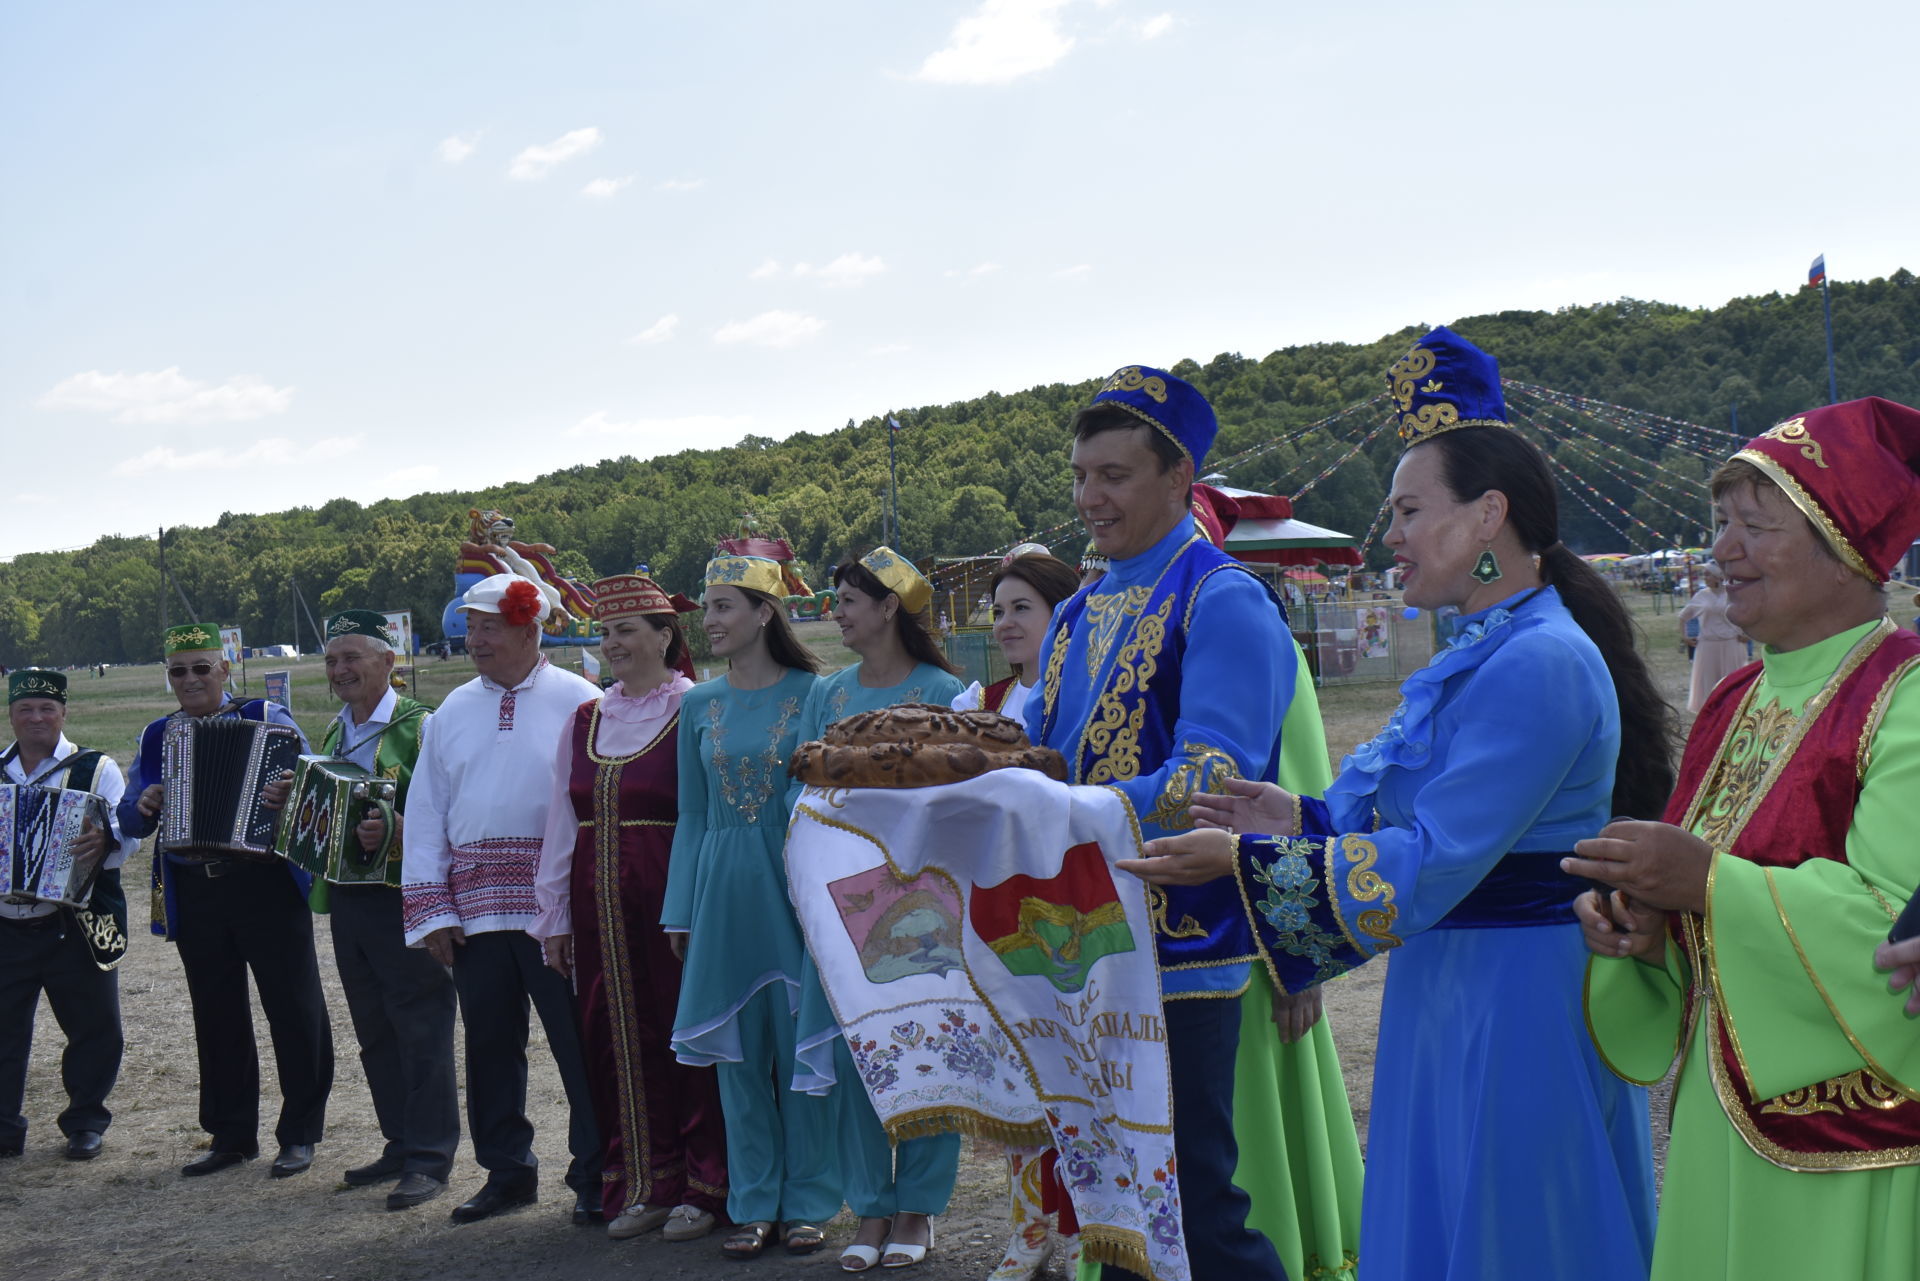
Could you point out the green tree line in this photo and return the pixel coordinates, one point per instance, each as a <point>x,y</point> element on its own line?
<point>979,474</point>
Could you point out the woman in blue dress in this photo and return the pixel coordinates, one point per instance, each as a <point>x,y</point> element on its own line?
<point>1500,1146</point>
<point>726,908</point>
<point>880,605</point>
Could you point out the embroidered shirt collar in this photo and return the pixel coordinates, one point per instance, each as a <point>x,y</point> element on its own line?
<point>1147,565</point>
<point>488,683</point>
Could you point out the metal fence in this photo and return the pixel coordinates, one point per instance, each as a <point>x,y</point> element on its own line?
<point>973,651</point>
<point>1351,642</point>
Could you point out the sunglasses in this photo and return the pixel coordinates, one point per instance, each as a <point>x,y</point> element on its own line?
<point>180,673</point>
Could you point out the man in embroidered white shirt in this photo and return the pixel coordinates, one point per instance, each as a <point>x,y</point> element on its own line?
<point>43,947</point>
<point>475,817</point>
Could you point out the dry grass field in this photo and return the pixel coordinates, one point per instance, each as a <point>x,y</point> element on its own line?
<point>130,1214</point>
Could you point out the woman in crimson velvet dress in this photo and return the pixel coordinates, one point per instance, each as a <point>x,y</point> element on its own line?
<point>603,876</point>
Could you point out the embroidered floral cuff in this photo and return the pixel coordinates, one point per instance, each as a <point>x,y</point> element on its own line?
<point>1306,934</point>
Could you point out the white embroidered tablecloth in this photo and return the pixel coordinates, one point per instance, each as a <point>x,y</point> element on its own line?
<point>993,974</point>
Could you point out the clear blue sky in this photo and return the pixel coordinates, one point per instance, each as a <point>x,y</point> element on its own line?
<point>259,255</point>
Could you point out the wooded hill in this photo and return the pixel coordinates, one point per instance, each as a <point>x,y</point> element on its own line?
<point>979,474</point>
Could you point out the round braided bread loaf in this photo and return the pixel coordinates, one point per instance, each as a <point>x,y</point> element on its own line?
<point>919,745</point>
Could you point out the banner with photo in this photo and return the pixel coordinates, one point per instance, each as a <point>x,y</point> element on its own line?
<point>993,974</point>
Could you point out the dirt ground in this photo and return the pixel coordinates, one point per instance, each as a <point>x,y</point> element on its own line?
<point>130,1213</point>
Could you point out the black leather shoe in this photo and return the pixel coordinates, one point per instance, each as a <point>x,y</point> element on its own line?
<point>586,1209</point>
<point>413,1189</point>
<point>83,1145</point>
<point>294,1158</point>
<point>214,1162</point>
<point>494,1199</point>
<point>385,1170</point>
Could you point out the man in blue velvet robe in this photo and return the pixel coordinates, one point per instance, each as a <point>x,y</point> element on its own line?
<point>1166,676</point>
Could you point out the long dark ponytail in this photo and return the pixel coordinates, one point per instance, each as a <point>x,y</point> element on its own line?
<point>1474,460</point>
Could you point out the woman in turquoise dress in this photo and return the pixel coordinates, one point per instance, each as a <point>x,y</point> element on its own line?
<point>1500,1147</point>
<point>880,606</point>
<point>726,909</point>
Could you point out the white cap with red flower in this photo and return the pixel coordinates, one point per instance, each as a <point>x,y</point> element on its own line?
<point>518,600</point>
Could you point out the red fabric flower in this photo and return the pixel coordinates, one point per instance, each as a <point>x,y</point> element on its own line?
<point>521,603</point>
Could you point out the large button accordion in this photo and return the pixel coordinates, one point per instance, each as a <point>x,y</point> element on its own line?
<point>40,826</point>
<point>329,798</point>
<point>216,768</point>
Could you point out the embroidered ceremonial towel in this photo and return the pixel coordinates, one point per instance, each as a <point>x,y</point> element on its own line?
<point>993,974</point>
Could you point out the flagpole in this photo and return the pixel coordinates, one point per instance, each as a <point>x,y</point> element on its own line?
<point>1833,391</point>
<point>893,477</point>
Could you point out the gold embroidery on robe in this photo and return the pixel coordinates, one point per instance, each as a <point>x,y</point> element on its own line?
<point>1205,770</point>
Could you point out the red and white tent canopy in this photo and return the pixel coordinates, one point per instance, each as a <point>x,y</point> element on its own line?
<point>1262,530</point>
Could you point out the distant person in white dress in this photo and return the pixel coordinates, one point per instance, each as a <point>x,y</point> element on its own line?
<point>1721,647</point>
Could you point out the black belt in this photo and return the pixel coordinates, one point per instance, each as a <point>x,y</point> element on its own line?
<point>47,921</point>
<point>212,868</point>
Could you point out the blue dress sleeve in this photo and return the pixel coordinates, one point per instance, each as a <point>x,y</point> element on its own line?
<point>813,723</point>
<point>690,829</point>
<point>1236,685</point>
<point>1325,903</point>
<point>145,772</point>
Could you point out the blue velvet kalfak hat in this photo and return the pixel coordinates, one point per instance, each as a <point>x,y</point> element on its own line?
<point>1172,406</point>
<point>1443,383</point>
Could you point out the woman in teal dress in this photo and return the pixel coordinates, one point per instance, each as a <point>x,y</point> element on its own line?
<point>880,605</point>
<point>727,911</point>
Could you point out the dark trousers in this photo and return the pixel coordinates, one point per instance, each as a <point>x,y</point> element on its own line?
<point>497,974</point>
<point>50,954</point>
<point>1203,1036</point>
<point>234,916</point>
<point>402,1003</point>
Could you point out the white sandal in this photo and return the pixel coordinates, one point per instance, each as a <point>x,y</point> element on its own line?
<point>862,1257</point>
<point>909,1254</point>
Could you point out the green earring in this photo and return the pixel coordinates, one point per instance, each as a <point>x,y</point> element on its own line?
<point>1487,568</point>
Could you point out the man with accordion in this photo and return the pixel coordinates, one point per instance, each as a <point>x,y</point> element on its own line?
<point>63,921</point>
<point>231,906</point>
<point>401,999</point>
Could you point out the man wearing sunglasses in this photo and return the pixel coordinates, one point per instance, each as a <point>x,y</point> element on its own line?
<point>229,916</point>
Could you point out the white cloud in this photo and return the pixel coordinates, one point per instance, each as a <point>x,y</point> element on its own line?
<point>1156,26</point>
<point>537,162</point>
<point>659,331</point>
<point>601,188</point>
<point>457,147</point>
<point>669,430</point>
<point>274,451</point>
<point>1073,272</point>
<point>765,271</point>
<point>974,272</point>
<point>771,329</point>
<point>890,349</point>
<point>681,184</point>
<point>167,396</point>
<point>846,270</point>
<point>1000,42</point>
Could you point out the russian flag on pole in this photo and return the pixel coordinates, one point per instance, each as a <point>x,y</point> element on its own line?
<point>893,424</point>
<point>1817,272</point>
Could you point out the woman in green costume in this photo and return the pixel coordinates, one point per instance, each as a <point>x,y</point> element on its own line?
<point>1741,933</point>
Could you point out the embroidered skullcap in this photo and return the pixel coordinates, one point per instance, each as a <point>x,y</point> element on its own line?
<point>1445,383</point>
<point>1172,406</point>
<point>190,636</point>
<point>36,682</point>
